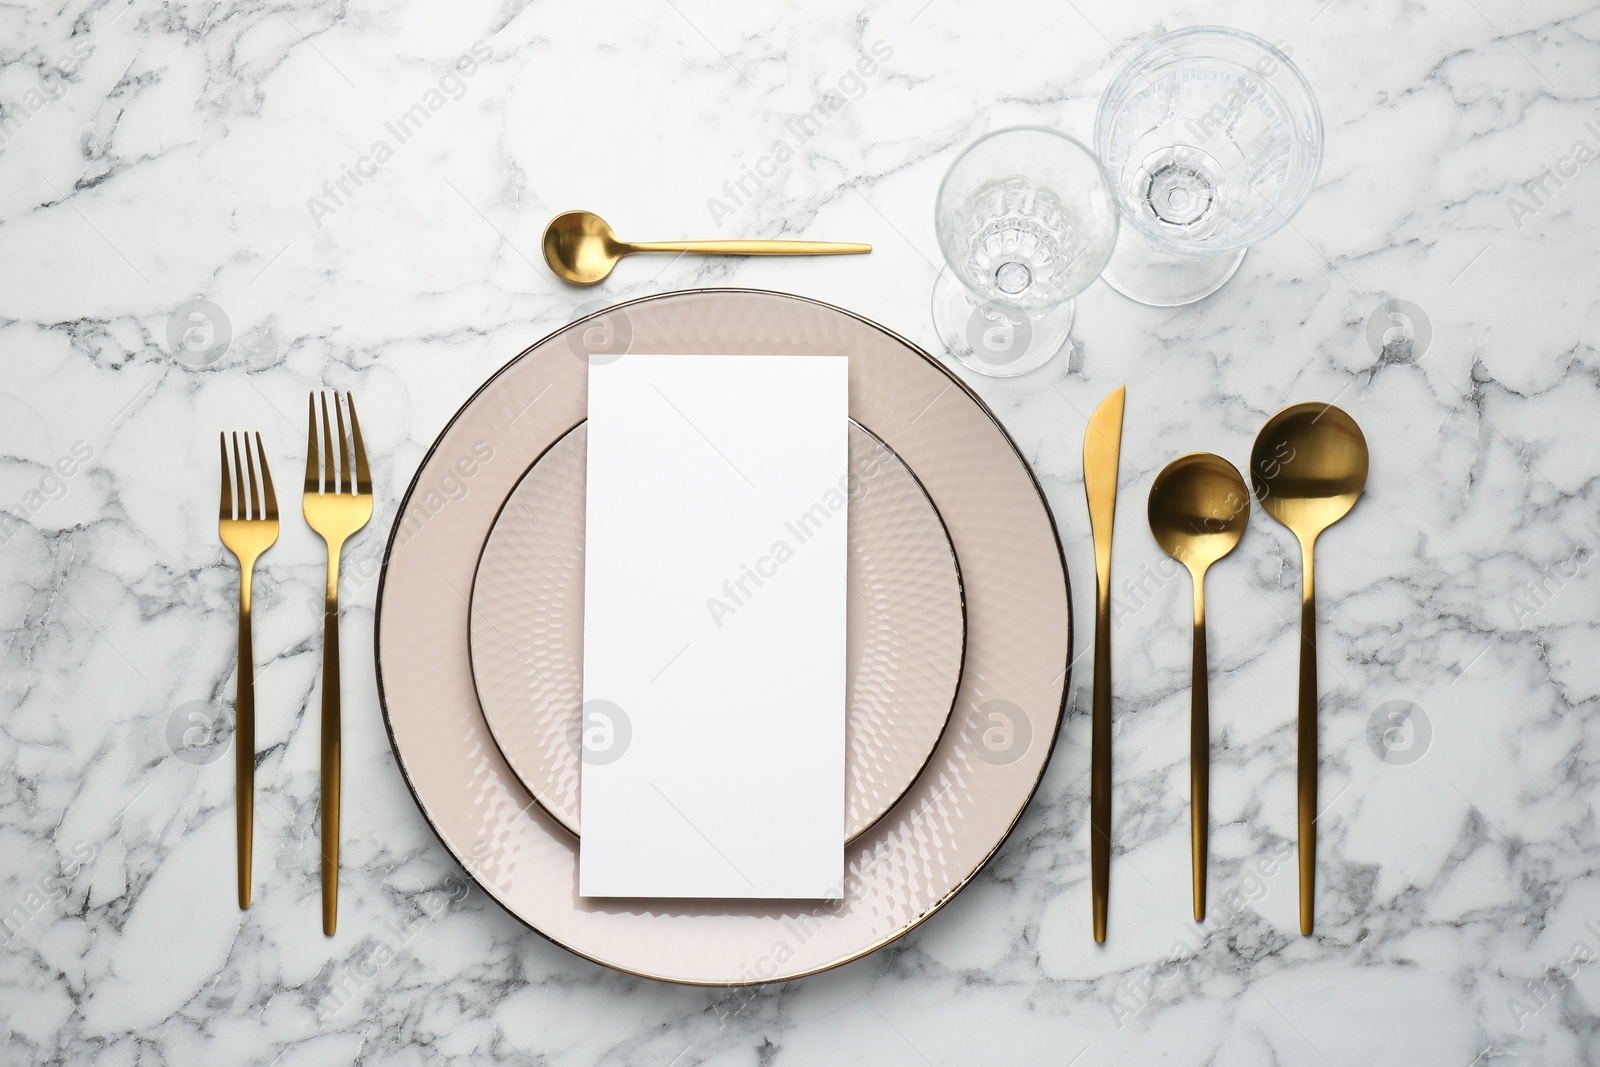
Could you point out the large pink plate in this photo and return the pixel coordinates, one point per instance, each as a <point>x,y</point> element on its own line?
<point>929,845</point>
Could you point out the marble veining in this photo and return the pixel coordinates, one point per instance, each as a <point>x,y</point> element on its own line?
<point>208,209</point>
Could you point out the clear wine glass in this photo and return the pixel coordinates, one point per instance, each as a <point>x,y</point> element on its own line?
<point>1026,220</point>
<point>1213,139</point>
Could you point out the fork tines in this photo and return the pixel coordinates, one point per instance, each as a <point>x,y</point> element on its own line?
<point>345,477</point>
<point>234,504</point>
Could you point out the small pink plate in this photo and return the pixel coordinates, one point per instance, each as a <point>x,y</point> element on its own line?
<point>905,629</point>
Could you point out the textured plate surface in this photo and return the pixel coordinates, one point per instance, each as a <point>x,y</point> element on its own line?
<point>904,633</point>
<point>946,826</point>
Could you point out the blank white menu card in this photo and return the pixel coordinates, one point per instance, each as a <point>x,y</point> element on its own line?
<point>714,627</point>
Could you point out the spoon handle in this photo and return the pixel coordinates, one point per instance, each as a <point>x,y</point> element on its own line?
<point>1307,768</point>
<point>1199,753</point>
<point>754,248</point>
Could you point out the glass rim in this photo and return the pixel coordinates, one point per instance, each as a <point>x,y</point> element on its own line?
<point>1088,152</point>
<point>1129,71</point>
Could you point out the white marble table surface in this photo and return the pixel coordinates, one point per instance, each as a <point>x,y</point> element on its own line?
<point>153,154</point>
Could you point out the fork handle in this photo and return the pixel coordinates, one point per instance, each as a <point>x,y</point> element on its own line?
<point>331,731</point>
<point>244,742</point>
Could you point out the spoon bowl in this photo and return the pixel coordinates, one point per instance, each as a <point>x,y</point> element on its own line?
<point>580,247</point>
<point>1199,508</point>
<point>1308,466</point>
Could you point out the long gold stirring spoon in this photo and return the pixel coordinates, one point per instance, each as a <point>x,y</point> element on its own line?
<point>1199,508</point>
<point>1308,466</point>
<point>581,249</point>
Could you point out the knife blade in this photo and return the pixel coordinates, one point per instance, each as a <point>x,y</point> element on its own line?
<point>1102,452</point>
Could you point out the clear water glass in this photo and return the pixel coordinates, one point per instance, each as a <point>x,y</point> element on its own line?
<point>1026,220</point>
<point>1213,139</point>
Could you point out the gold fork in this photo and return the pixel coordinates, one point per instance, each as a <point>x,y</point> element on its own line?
<point>336,506</point>
<point>247,530</point>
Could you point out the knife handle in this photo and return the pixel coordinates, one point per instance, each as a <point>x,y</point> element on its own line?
<point>1100,757</point>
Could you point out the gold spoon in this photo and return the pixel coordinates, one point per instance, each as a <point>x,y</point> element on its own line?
<point>1308,466</point>
<point>1199,508</point>
<point>581,249</point>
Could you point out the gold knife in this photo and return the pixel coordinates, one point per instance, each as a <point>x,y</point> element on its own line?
<point>1102,451</point>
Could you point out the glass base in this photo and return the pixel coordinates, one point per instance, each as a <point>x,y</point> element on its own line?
<point>995,339</point>
<point>1140,271</point>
